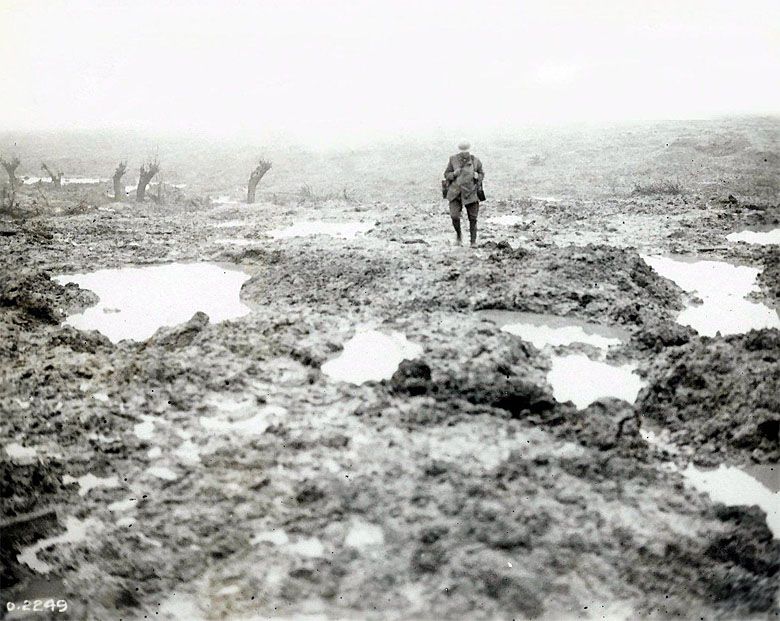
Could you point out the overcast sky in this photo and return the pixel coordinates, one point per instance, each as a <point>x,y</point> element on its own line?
<point>335,68</point>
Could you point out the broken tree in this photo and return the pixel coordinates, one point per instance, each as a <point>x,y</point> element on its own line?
<point>148,171</point>
<point>119,190</point>
<point>257,174</point>
<point>10,167</point>
<point>55,179</point>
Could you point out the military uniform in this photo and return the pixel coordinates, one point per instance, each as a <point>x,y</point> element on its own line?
<point>464,173</point>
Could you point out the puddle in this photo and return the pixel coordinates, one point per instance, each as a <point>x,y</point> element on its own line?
<point>347,230</point>
<point>253,425</point>
<point>239,242</point>
<point>17,452</point>
<point>579,379</point>
<point>82,180</point>
<point>121,506</point>
<point>143,299</point>
<point>362,534</point>
<point>188,453</point>
<point>722,288</point>
<point>505,220</point>
<point>276,537</point>
<point>90,481</point>
<point>75,532</point>
<point>371,356</point>
<point>227,224</point>
<point>161,472</point>
<point>541,330</point>
<point>144,430</point>
<point>732,486</point>
<point>756,237</point>
<point>310,547</point>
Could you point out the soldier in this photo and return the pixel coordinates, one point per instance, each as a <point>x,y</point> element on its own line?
<point>464,175</point>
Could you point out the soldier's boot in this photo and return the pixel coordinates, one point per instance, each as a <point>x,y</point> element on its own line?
<point>473,231</point>
<point>458,233</point>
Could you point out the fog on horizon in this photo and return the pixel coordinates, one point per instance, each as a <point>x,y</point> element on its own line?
<point>335,72</point>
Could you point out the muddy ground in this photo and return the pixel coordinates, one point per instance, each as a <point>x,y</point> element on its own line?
<point>460,488</point>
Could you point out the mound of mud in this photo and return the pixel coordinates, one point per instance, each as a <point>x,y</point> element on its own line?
<point>720,395</point>
<point>38,297</point>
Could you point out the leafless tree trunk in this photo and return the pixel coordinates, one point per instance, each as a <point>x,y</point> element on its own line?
<point>55,179</point>
<point>119,189</point>
<point>148,171</point>
<point>257,174</point>
<point>10,167</point>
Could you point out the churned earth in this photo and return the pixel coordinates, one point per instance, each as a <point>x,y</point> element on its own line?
<point>217,470</point>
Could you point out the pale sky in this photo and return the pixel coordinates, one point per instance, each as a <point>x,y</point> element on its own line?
<point>336,68</point>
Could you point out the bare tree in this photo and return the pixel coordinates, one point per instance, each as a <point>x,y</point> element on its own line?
<point>55,179</point>
<point>257,174</point>
<point>148,170</point>
<point>119,190</point>
<point>10,167</point>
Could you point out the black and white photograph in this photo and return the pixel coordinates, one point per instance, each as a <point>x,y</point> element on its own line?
<point>431,310</point>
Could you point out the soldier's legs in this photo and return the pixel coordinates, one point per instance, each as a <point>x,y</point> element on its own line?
<point>455,209</point>
<point>473,211</point>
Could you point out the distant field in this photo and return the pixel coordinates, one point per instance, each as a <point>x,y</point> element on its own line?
<point>705,158</point>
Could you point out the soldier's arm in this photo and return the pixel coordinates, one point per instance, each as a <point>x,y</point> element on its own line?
<point>478,168</point>
<point>449,172</point>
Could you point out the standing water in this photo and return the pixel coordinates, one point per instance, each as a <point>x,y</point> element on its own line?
<point>722,288</point>
<point>371,356</point>
<point>347,230</point>
<point>136,301</point>
<point>732,486</point>
<point>574,377</point>
<point>763,238</point>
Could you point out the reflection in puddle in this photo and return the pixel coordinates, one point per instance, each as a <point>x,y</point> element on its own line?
<point>238,242</point>
<point>316,227</point>
<point>722,288</point>
<point>371,356</point>
<point>75,532</point>
<point>144,430</point>
<point>732,486</point>
<point>227,224</point>
<point>310,547</point>
<point>579,379</point>
<point>161,472</point>
<point>255,425</point>
<point>90,481</point>
<point>362,534</point>
<point>508,220</point>
<point>541,330</point>
<point>82,180</point>
<point>756,237</point>
<point>17,452</point>
<point>66,180</point>
<point>241,417</point>
<point>188,453</point>
<point>146,298</point>
<point>276,537</point>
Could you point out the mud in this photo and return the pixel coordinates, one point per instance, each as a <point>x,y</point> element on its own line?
<point>459,487</point>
